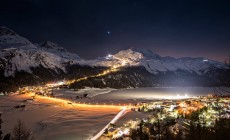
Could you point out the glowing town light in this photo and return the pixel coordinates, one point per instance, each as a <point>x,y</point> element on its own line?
<point>60,83</point>
<point>126,131</point>
<point>123,63</point>
<point>205,60</point>
<point>55,84</point>
<point>186,95</point>
<point>109,56</point>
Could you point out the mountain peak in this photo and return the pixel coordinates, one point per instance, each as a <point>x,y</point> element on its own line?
<point>52,45</point>
<point>135,55</point>
<point>129,54</point>
<point>6,31</point>
<point>147,53</point>
<point>10,39</point>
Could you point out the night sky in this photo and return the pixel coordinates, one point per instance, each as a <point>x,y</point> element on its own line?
<point>93,28</point>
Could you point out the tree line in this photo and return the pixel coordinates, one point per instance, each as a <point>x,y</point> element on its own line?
<point>19,132</point>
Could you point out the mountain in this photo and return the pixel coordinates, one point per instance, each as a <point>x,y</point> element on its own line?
<point>25,63</point>
<point>19,54</point>
<point>9,39</point>
<point>155,64</point>
<point>144,68</point>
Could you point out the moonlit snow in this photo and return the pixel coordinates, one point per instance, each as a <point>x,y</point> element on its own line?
<point>53,120</point>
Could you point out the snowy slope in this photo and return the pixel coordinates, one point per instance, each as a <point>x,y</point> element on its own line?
<point>154,63</point>
<point>48,61</point>
<point>9,39</point>
<point>19,54</point>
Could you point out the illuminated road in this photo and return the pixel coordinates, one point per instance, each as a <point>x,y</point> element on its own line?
<point>120,114</point>
<point>111,70</point>
<point>72,103</point>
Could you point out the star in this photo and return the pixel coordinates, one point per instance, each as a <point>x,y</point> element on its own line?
<point>108,32</point>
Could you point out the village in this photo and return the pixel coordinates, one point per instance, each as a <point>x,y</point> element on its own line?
<point>174,116</point>
<point>160,117</point>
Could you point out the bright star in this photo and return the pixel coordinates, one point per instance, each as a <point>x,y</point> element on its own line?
<point>108,32</point>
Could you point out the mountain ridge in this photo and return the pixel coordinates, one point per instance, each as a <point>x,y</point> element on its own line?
<point>19,55</point>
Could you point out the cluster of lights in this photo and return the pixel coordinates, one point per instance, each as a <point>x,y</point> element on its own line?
<point>113,68</point>
<point>69,102</point>
<point>187,109</point>
<point>55,84</point>
<point>179,96</point>
<point>109,56</point>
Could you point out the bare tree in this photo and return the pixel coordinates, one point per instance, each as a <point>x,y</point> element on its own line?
<point>20,132</point>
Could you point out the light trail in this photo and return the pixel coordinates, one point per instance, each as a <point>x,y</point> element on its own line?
<point>52,85</point>
<point>117,117</point>
<point>105,72</point>
<point>112,69</point>
<point>69,102</point>
<point>120,114</point>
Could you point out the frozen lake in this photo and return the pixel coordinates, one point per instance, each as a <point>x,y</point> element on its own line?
<point>124,96</point>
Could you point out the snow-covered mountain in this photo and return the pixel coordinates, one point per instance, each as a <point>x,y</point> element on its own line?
<point>19,54</point>
<point>25,63</point>
<point>9,39</point>
<point>155,64</point>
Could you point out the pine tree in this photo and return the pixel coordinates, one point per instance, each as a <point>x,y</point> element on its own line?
<point>7,137</point>
<point>168,135</point>
<point>192,132</point>
<point>20,132</point>
<point>0,126</point>
<point>141,129</point>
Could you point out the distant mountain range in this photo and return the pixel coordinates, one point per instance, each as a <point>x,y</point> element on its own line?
<point>25,63</point>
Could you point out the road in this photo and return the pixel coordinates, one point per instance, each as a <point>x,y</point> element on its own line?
<point>120,114</point>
